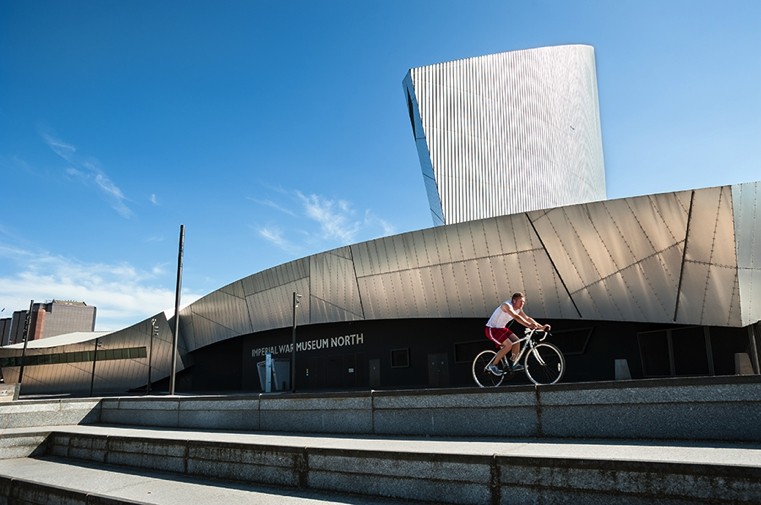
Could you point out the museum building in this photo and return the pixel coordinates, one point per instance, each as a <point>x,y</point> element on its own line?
<point>660,285</point>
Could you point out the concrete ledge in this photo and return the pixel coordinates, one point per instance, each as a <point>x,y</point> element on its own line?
<point>21,491</point>
<point>22,445</point>
<point>9,392</point>
<point>426,471</point>
<point>41,413</point>
<point>724,408</point>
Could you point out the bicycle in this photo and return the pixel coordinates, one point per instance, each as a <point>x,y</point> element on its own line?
<point>543,362</point>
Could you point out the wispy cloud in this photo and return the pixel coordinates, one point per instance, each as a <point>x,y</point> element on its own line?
<point>274,236</point>
<point>122,293</point>
<point>335,217</point>
<point>273,205</point>
<point>89,172</point>
<point>336,222</point>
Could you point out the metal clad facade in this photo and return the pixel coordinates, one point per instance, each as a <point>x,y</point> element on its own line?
<point>687,258</point>
<point>746,199</point>
<point>508,132</point>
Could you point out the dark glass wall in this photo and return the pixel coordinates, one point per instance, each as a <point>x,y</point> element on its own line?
<point>423,353</point>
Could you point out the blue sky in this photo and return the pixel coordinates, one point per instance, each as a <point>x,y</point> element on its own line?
<point>277,129</point>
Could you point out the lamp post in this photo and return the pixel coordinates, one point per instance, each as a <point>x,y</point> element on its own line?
<point>25,335</point>
<point>154,333</point>
<point>94,358</point>
<point>176,337</point>
<point>296,298</point>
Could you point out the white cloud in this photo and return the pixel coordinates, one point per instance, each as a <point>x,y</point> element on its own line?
<point>274,236</point>
<point>338,224</point>
<point>122,293</point>
<point>274,205</point>
<point>89,172</point>
<point>336,218</point>
<point>62,149</point>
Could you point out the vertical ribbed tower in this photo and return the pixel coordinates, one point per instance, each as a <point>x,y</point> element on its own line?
<point>508,133</point>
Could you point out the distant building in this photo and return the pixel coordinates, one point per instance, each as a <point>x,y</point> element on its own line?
<point>17,327</point>
<point>61,316</point>
<point>48,319</point>
<point>5,331</point>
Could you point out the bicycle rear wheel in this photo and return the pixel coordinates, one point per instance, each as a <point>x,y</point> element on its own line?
<point>481,375</point>
<point>544,364</point>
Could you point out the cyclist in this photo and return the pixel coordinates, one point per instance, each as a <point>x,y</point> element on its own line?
<point>496,330</point>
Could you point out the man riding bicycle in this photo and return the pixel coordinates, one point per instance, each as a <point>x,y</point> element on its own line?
<point>496,330</point>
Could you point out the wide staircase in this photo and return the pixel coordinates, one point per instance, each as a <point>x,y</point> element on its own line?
<point>674,441</point>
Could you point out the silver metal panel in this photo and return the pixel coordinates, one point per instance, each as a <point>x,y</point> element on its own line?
<point>620,226</point>
<point>707,294</point>
<point>334,291</point>
<point>385,257</point>
<point>478,238</point>
<point>415,258</point>
<point>467,243</point>
<point>402,256</point>
<point>606,244</point>
<point>208,332</point>
<point>234,289</point>
<point>663,218</point>
<point>225,310</point>
<point>363,259</point>
<point>276,276</point>
<point>408,295</point>
<point>656,287</point>
<point>450,287</point>
<point>746,199</point>
<point>704,225</point>
<point>420,289</point>
<point>561,232</point>
<point>430,248</point>
<point>442,244</point>
<point>480,284</point>
<point>427,297</point>
<point>274,308</point>
<point>514,234</point>
<point>597,304</point>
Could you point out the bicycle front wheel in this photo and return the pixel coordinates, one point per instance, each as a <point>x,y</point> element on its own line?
<point>481,375</point>
<point>544,364</point>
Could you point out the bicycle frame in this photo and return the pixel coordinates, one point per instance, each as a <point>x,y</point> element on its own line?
<point>530,344</point>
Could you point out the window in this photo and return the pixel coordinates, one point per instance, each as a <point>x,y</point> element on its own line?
<point>400,358</point>
<point>572,342</point>
<point>676,352</point>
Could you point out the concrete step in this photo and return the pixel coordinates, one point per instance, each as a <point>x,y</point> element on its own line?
<point>52,480</point>
<point>456,471</point>
<point>705,409</point>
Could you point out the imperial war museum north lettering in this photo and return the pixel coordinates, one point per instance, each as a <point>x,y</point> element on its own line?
<point>311,345</point>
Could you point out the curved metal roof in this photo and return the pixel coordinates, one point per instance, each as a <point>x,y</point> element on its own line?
<point>688,257</point>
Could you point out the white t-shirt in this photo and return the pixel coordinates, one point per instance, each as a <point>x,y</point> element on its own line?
<point>500,318</point>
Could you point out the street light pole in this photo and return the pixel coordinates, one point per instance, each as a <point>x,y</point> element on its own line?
<point>172,377</point>
<point>25,336</point>
<point>296,298</point>
<point>154,333</point>
<point>94,358</point>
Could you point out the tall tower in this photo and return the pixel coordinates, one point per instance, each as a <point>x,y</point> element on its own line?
<point>508,133</point>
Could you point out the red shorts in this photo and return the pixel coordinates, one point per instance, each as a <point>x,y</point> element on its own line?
<point>499,335</point>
